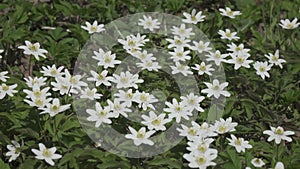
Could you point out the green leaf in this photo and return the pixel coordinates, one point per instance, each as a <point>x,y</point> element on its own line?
<point>3,165</point>
<point>235,160</point>
<point>28,164</point>
<point>28,132</point>
<point>214,113</point>
<point>169,162</point>
<point>69,124</point>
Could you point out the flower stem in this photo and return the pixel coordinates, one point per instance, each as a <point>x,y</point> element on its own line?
<point>277,154</point>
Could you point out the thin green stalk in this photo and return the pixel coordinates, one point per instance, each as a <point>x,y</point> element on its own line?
<point>277,153</point>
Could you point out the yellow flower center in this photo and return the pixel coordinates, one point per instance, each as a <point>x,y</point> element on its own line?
<point>228,34</point>
<point>133,50</point>
<point>129,95</point>
<point>240,60</point>
<point>39,102</point>
<point>100,77</point>
<point>142,56</point>
<point>274,58</point>
<point>33,48</point>
<point>55,108</point>
<point>238,141</point>
<point>178,108</point>
<point>289,25</point>
<point>73,80</point>
<point>203,67</point>
<point>178,42</point>
<point>149,64</point>
<point>257,161</point>
<point>202,148</point>
<point>65,87</point>
<point>201,46</point>
<point>131,43</point>
<point>156,122</point>
<point>181,31</point>
<point>179,54</point>
<point>34,82</point>
<point>201,160</point>
<point>53,72</point>
<point>47,153</point>
<point>192,131</point>
<point>117,107</point>
<point>5,87</point>
<point>222,129</point>
<point>193,18</point>
<point>37,93</point>
<point>216,87</point>
<point>140,134</point>
<point>230,13</point>
<point>148,23</point>
<point>192,101</point>
<point>90,93</point>
<point>238,48</point>
<point>17,150</point>
<point>279,131</point>
<point>262,69</point>
<point>181,67</point>
<point>102,113</point>
<point>93,28</point>
<point>143,98</point>
<point>124,80</point>
<point>107,59</point>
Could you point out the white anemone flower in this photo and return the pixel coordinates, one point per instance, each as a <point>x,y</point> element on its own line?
<point>262,69</point>
<point>216,89</point>
<point>93,28</point>
<point>33,49</point>
<point>239,143</point>
<point>194,17</point>
<point>274,59</point>
<point>100,115</point>
<point>257,162</point>
<point>14,151</point>
<point>156,122</point>
<point>227,34</point>
<point>223,126</point>
<point>7,90</point>
<point>278,134</point>
<point>229,13</point>
<point>287,24</point>
<point>47,154</point>
<point>148,23</point>
<point>141,136</point>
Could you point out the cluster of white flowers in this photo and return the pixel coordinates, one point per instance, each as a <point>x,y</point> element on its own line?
<point>278,134</point>
<point>240,54</point>
<point>47,154</point>
<point>184,108</point>
<point>38,94</point>
<point>200,138</point>
<point>181,46</point>
<point>259,163</point>
<point>63,82</point>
